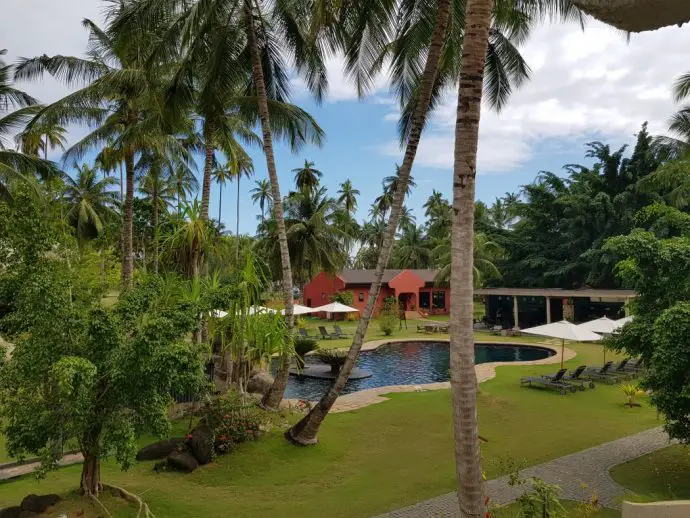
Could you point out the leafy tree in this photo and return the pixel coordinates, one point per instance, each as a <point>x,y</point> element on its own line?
<point>411,250</point>
<point>261,194</point>
<point>486,252</point>
<point>307,177</point>
<point>348,196</point>
<point>344,297</point>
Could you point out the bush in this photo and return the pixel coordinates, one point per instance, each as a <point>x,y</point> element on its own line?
<point>232,421</point>
<point>344,297</point>
<point>388,316</point>
<point>333,357</point>
<point>302,347</point>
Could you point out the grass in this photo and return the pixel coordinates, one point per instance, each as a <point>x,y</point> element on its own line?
<point>574,510</point>
<point>378,458</point>
<point>662,475</point>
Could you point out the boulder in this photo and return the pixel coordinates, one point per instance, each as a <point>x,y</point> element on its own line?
<point>11,512</point>
<point>38,504</point>
<point>182,461</point>
<point>259,382</point>
<point>201,444</point>
<point>161,449</point>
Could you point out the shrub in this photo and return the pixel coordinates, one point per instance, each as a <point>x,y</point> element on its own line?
<point>344,297</point>
<point>388,316</point>
<point>333,357</point>
<point>632,392</point>
<point>302,347</point>
<point>232,421</point>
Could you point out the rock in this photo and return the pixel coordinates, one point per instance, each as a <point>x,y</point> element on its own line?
<point>11,512</point>
<point>182,461</point>
<point>259,382</point>
<point>201,444</point>
<point>38,504</point>
<point>28,514</point>
<point>161,449</point>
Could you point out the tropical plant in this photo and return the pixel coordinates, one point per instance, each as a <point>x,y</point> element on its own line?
<point>412,249</point>
<point>346,297</point>
<point>632,392</point>
<point>239,165</point>
<point>348,196</point>
<point>220,174</point>
<point>302,347</point>
<point>334,357</point>
<point>261,194</point>
<point>389,315</point>
<point>185,183</point>
<point>307,177</point>
<point>90,202</point>
<point>485,254</point>
<point>42,138</point>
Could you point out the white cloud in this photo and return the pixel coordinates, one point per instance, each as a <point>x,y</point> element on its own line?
<point>583,84</point>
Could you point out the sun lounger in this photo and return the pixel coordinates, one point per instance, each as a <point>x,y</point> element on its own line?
<point>325,334</point>
<point>555,382</point>
<point>576,378</point>
<point>303,333</point>
<point>338,332</point>
<point>624,370</point>
<point>603,374</point>
<point>496,330</point>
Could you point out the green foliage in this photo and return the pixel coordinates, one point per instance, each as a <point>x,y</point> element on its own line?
<point>540,501</point>
<point>389,315</point>
<point>333,357</point>
<point>346,297</point>
<point>232,420</point>
<point>632,392</point>
<point>304,346</point>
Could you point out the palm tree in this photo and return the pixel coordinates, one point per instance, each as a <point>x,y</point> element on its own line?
<point>307,177</point>
<point>407,218</point>
<point>348,196</point>
<point>42,137</point>
<point>261,194</point>
<point>220,175</point>
<point>412,250</point>
<point>240,164</point>
<point>185,182</point>
<point>485,251</point>
<point>434,203</point>
<point>119,102</point>
<point>473,64</point>
<point>90,202</point>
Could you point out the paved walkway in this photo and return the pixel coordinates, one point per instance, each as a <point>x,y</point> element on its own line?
<point>25,469</point>
<point>589,466</point>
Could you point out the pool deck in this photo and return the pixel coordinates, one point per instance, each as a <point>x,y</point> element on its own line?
<point>484,371</point>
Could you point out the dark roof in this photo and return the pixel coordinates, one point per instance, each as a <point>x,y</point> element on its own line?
<point>556,292</point>
<point>367,276</point>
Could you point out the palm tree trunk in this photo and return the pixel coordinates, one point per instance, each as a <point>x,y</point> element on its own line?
<point>128,230</point>
<point>305,432</point>
<point>45,149</point>
<point>237,228</point>
<point>463,377</point>
<point>208,169</point>
<point>220,202</point>
<point>155,230</point>
<point>274,396</point>
<point>122,195</point>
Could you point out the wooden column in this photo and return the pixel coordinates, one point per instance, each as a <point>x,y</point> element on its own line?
<point>548,310</point>
<point>516,324</point>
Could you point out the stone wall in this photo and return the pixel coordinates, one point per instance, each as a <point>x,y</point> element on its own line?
<point>674,509</point>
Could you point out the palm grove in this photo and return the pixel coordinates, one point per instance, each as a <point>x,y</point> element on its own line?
<point>173,90</point>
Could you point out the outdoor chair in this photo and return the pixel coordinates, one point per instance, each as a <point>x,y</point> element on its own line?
<point>338,332</point>
<point>603,374</point>
<point>496,330</point>
<point>303,333</point>
<point>550,382</point>
<point>624,370</point>
<point>576,378</point>
<point>325,334</point>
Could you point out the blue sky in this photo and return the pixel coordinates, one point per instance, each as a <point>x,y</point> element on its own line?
<point>591,85</point>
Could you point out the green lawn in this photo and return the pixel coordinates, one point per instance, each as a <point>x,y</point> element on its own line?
<point>574,510</point>
<point>662,475</point>
<point>378,458</point>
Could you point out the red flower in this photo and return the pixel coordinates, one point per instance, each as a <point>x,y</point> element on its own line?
<point>487,515</point>
<point>223,437</point>
<point>486,500</point>
<point>189,436</point>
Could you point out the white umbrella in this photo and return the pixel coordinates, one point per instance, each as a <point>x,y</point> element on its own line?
<point>219,314</point>
<point>603,325</point>
<point>622,321</point>
<point>565,331</point>
<point>335,307</point>
<point>298,309</point>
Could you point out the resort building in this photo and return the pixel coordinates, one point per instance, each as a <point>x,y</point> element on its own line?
<point>414,289</point>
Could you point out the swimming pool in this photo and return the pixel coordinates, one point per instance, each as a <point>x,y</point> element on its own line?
<point>410,363</point>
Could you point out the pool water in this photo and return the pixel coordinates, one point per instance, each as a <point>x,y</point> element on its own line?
<point>410,363</point>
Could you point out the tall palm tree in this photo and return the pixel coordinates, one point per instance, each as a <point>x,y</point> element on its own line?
<point>307,177</point>
<point>185,182</point>
<point>434,203</point>
<point>412,249</point>
<point>348,196</point>
<point>220,175</point>
<point>485,254</point>
<point>42,137</point>
<point>239,164</point>
<point>90,202</point>
<point>261,194</point>
<point>473,65</point>
<point>120,102</point>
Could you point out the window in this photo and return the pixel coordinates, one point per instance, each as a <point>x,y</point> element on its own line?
<point>439,300</point>
<point>323,296</point>
<point>424,299</point>
<point>361,296</point>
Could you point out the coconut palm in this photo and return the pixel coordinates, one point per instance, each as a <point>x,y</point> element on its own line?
<point>239,165</point>
<point>307,177</point>
<point>42,138</point>
<point>485,251</point>
<point>412,250</point>
<point>261,194</point>
<point>348,196</point>
<point>90,202</point>
<point>221,174</point>
<point>185,182</point>
<point>120,102</point>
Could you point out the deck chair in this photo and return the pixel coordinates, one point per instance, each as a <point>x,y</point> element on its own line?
<point>338,332</point>
<point>555,383</point>
<point>603,373</point>
<point>624,370</point>
<point>576,378</point>
<point>303,333</point>
<point>325,334</point>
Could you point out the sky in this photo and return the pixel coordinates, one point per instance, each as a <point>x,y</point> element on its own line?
<point>585,85</point>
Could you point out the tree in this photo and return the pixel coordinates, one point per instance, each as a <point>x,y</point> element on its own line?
<point>348,196</point>
<point>185,183</point>
<point>90,202</point>
<point>485,252</point>
<point>411,250</point>
<point>307,177</point>
<point>261,194</point>
<point>220,175</point>
<point>240,164</point>
<point>42,137</point>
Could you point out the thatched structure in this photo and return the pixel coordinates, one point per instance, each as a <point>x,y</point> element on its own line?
<point>637,15</point>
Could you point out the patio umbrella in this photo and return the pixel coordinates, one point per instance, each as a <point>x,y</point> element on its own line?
<point>622,321</point>
<point>298,309</point>
<point>602,326</point>
<point>565,331</point>
<point>335,307</point>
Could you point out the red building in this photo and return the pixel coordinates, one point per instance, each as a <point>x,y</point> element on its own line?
<point>414,289</point>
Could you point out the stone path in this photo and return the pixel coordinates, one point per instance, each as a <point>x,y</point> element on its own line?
<point>590,467</point>
<point>25,469</point>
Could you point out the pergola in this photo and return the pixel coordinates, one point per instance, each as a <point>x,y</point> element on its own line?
<point>637,15</point>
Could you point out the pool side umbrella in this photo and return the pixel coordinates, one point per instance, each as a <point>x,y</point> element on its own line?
<point>565,331</point>
<point>602,326</point>
<point>298,309</point>
<point>335,307</point>
<point>622,321</point>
